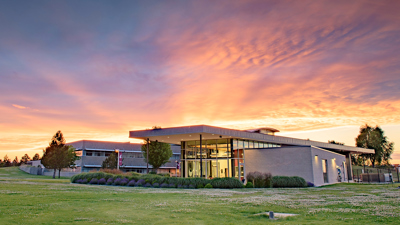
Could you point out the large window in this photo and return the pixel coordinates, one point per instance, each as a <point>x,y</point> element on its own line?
<point>325,170</point>
<point>220,157</point>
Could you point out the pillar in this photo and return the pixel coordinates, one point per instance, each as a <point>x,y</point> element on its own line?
<point>349,167</point>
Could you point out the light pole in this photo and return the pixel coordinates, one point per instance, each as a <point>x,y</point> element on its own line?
<point>117,151</point>
<point>147,144</point>
<point>201,157</point>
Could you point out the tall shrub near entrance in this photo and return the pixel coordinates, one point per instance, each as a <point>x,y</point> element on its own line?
<point>260,180</point>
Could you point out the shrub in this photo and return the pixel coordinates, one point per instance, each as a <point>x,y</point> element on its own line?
<point>117,181</point>
<point>164,185</point>
<point>76,177</point>
<point>180,186</point>
<point>227,182</point>
<point>131,183</point>
<point>156,185</point>
<point>94,181</point>
<point>260,180</point>
<point>102,181</point>
<point>152,172</point>
<point>141,181</point>
<point>284,181</point>
<point>191,186</point>
<point>78,181</point>
<point>124,181</point>
<point>164,174</point>
<point>185,186</point>
<point>309,184</point>
<point>112,171</point>
<point>171,185</point>
<point>151,178</point>
<point>147,185</point>
<point>197,182</point>
<point>249,185</point>
<point>110,181</point>
<point>208,186</point>
<point>135,174</point>
<point>84,181</point>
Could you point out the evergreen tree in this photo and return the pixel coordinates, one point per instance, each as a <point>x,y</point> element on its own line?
<point>58,155</point>
<point>25,159</point>
<point>110,162</point>
<point>36,157</point>
<point>15,162</point>
<point>6,161</point>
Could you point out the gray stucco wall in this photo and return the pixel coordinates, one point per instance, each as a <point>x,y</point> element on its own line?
<point>285,161</point>
<point>333,160</point>
<point>295,161</point>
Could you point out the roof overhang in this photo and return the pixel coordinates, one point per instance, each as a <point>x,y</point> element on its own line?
<point>175,135</point>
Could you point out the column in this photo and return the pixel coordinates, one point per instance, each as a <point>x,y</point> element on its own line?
<point>349,168</point>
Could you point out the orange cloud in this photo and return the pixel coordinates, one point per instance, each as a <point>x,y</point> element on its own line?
<point>19,106</point>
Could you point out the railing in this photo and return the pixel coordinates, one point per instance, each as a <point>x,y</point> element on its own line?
<point>376,175</point>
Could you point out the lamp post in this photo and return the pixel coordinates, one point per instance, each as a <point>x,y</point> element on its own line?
<point>117,151</point>
<point>201,157</point>
<point>147,144</point>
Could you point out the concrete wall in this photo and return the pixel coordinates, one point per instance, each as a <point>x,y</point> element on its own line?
<point>296,161</point>
<point>285,161</point>
<point>333,160</point>
<point>41,171</point>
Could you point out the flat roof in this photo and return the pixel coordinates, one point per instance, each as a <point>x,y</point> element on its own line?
<point>174,135</point>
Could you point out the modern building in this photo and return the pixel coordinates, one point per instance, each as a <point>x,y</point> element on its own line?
<point>93,153</point>
<point>210,152</point>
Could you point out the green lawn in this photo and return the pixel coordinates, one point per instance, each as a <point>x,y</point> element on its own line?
<point>29,199</point>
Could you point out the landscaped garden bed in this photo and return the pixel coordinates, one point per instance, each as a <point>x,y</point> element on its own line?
<point>154,180</point>
<point>256,179</point>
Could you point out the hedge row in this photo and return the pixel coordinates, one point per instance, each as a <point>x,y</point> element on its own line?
<point>255,179</point>
<point>152,179</point>
<point>284,182</point>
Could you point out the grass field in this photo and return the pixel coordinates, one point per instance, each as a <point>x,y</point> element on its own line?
<point>30,199</point>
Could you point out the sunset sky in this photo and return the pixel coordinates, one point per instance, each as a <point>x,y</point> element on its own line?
<point>97,69</point>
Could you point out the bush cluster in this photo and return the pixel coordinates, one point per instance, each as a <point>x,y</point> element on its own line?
<point>154,180</point>
<point>260,180</point>
<point>288,182</point>
<point>254,179</point>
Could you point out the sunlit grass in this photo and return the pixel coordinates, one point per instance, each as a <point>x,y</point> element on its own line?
<point>30,199</point>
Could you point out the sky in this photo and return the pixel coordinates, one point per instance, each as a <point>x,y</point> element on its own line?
<point>97,69</point>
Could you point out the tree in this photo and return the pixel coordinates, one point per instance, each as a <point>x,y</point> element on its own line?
<point>25,159</point>
<point>15,162</point>
<point>110,162</point>
<point>373,138</point>
<point>159,153</point>
<point>6,161</point>
<point>58,155</point>
<point>48,160</point>
<point>334,142</point>
<point>36,157</point>
<point>66,157</point>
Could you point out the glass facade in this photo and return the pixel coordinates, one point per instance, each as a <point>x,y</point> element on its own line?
<point>219,157</point>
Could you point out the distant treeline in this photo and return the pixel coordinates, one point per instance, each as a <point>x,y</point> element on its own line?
<point>25,159</point>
